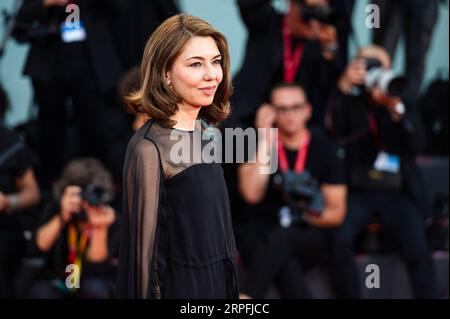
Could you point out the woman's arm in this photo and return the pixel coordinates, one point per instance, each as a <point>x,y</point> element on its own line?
<point>142,174</point>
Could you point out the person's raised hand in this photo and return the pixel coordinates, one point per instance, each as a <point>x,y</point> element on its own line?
<point>70,202</point>
<point>354,74</point>
<point>265,116</point>
<point>99,217</point>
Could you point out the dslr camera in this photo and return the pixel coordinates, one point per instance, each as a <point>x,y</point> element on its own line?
<point>301,193</point>
<point>94,195</point>
<point>387,80</point>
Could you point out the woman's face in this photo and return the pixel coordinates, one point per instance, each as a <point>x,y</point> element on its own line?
<point>197,72</point>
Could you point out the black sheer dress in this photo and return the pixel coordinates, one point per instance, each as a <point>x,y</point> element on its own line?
<point>177,239</point>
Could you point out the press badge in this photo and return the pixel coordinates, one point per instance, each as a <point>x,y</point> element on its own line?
<point>74,33</point>
<point>285,217</point>
<point>387,163</point>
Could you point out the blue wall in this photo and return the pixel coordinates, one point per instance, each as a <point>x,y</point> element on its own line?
<point>223,14</point>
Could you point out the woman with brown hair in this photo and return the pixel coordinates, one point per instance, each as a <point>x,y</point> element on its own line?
<point>177,239</point>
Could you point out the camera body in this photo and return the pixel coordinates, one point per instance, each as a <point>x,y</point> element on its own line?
<point>301,193</point>
<point>94,195</point>
<point>386,80</point>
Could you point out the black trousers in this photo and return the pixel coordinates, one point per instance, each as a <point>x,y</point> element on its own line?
<point>405,228</point>
<point>280,255</point>
<point>415,20</point>
<point>89,111</point>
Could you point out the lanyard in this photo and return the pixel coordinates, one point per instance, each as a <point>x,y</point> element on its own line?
<point>76,251</point>
<point>373,127</point>
<point>301,155</point>
<point>292,60</point>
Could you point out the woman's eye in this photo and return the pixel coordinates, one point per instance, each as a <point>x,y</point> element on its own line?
<point>196,64</point>
<point>217,62</point>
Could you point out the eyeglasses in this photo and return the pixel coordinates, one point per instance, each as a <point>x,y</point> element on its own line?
<point>288,109</point>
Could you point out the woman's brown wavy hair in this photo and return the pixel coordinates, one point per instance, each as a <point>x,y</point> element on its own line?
<point>156,98</point>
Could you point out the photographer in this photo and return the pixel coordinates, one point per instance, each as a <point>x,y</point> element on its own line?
<point>75,61</point>
<point>19,192</point>
<point>379,129</point>
<point>287,223</point>
<point>77,231</point>
<point>300,46</point>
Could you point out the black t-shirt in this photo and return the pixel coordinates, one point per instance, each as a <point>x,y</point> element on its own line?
<point>322,162</point>
<point>14,162</point>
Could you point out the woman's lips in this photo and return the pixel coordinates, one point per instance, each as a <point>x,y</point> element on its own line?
<point>210,90</point>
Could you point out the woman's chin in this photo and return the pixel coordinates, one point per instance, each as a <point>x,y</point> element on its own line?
<point>205,102</point>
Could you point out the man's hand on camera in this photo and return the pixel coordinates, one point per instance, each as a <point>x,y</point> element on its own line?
<point>394,104</point>
<point>70,202</point>
<point>311,218</point>
<point>51,3</point>
<point>99,217</point>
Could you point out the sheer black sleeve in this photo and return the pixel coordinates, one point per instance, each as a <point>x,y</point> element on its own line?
<point>141,177</point>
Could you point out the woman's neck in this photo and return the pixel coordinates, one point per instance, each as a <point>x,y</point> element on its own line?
<point>185,117</point>
<point>293,141</point>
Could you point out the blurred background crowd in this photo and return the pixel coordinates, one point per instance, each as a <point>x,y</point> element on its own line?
<point>363,143</point>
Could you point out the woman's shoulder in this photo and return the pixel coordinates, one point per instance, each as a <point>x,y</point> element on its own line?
<point>142,144</point>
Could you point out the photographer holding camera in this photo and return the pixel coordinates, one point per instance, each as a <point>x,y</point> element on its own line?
<point>300,46</point>
<point>77,232</point>
<point>379,130</point>
<point>291,212</point>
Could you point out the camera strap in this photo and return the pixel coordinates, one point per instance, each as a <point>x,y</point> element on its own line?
<point>302,154</point>
<point>291,60</point>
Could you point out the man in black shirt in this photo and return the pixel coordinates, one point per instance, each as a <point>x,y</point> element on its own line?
<point>380,134</point>
<point>282,232</point>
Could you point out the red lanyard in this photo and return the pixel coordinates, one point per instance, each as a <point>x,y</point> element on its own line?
<point>302,153</point>
<point>76,251</point>
<point>291,60</point>
<point>373,127</point>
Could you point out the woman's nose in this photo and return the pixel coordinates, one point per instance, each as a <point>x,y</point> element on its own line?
<point>210,73</point>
